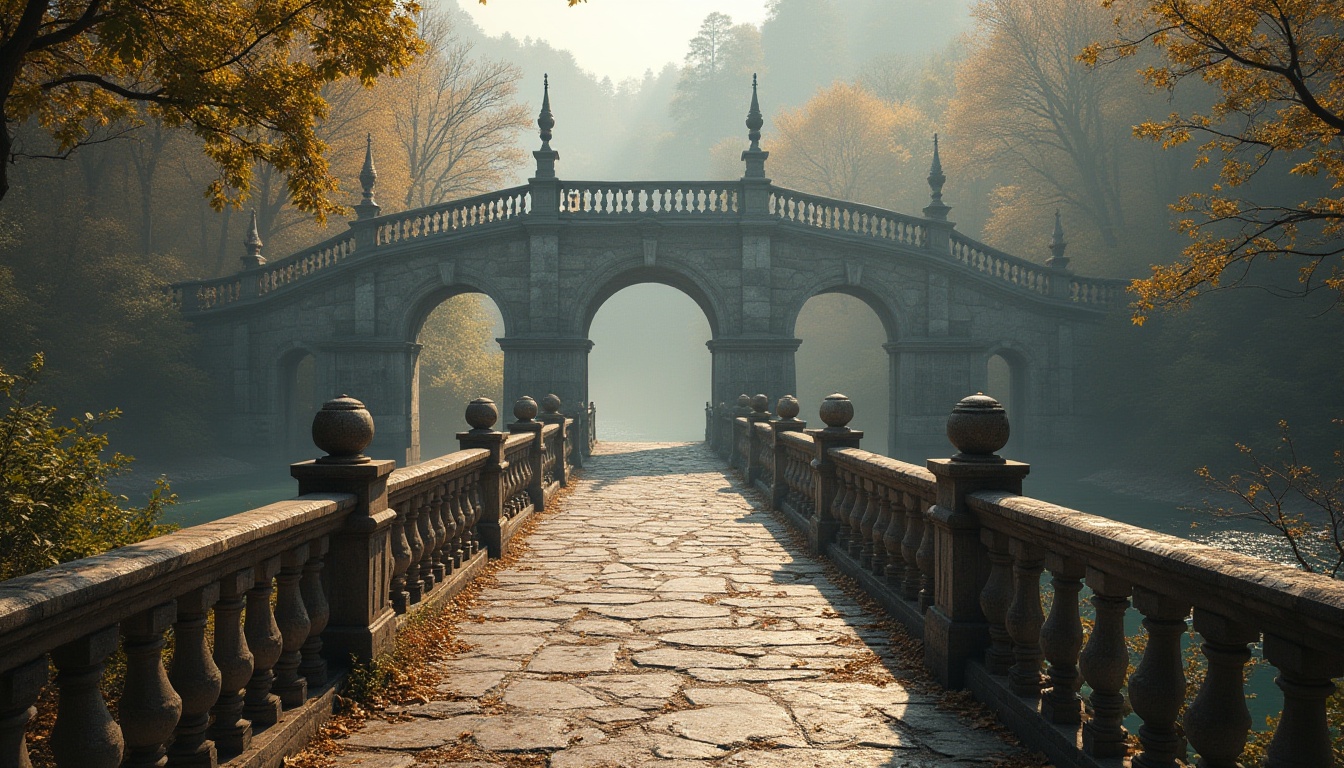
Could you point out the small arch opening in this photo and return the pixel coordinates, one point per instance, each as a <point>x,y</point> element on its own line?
<point>459,360</point>
<point>299,401</point>
<point>1005,381</point>
<point>649,369</point>
<point>841,351</point>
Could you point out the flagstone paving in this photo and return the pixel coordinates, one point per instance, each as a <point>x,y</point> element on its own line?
<point>662,618</point>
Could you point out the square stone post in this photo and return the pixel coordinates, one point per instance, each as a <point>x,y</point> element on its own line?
<point>955,629</point>
<point>760,412</point>
<point>836,412</point>
<point>482,415</point>
<point>787,410</point>
<point>550,407</point>
<point>526,412</point>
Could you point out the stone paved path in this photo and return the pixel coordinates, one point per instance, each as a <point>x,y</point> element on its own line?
<point>661,618</point>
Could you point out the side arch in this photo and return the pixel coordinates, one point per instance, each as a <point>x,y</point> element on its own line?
<point>607,282</point>
<point>889,313</point>
<point>1022,374</point>
<point>431,293</point>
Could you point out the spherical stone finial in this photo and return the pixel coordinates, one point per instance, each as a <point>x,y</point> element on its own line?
<point>525,409</point>
<point>760,404</point>
<point>343,428</point>
<point>744,400</point>
<point>550,403</point>
<point>978,427</point>
<point>787,408</point>
<point>482,413</point>
<point>836,411</point>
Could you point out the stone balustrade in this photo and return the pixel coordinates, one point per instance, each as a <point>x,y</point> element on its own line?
<point>968,564</point>
<point>297,591</point>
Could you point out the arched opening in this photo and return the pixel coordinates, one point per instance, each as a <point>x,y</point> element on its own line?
<point>299,400</point>
<point>1005,381</point>
<point>649,369</point>
<point>459,360</point>
<point>841,351</point>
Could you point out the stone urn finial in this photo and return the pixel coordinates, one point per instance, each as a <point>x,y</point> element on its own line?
<point>836,412</point>
<point>343,428</point>
<point>978,428</point>
<point>482,413</point>
<point>760,404</point>
<point>525,409</point>
<point>787,408</point>
<point>744,400</point>
<point>550,404</point>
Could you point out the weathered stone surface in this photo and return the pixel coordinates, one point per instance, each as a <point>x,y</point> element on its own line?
<point>728,724</point>
<point>544,694</point>
<point>653,685</point>
<point>742,637</point>
<point>678,659</point>
<point>569,659</point>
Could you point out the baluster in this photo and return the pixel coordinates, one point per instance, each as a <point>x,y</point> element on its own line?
<point>1217,721</point>
<point>414,587</point>
<point>1305,674</point>
<point>149,706</point>
<point>864,519</point>
<point>891,538</point>
<point>264,640</point>
<point>1104,663</point>
<point>401,558</point>
<point>996,599</point>
<point>456,518</point>
<point>196,679</point>
<point>474,514</point>
<point>292,618</point>
<point>878,563</point>
<point>914,534</point>
<point>230,731</point>
<point>442,559</point>
<point>314,667</point>
<point>1061,641</point>
<point>1025,618</point>
<point>1157,687</point>
<point>924,556</point>
<point>85,735</point>
<point>426,524</point>
<point>844,498</point>
<point>19,689</point>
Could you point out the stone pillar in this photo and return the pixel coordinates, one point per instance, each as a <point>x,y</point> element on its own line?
<point>525,411</point>
<point>955,629</point>
<point>359,564</point>
<point>926,372</point>
<point>481,416</point>
<point>384,373</point>
<point>556,364</point>
<point>550,414</point>
<point>787,410</point>
<point>752,364</point>
<point>760,412</point>
<point>836,412</point>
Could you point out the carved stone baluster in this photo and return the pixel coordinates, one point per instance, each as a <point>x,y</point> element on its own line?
<point>844,498</point>
<point>924,556</point>
<point>415,589</point>
<point>149,706</point>
<point>995,600</point>
<point>292,618</point>
<point>231,732</point>
<point>85,735</point>
<point>1217,721</point>
<point>1303,737</point>
<point>19,688</point>
<point>855,518</point>
<point>1157,687</point>
<point>442,559</point>
<point>266,643</point>
<point>1061,641</point>
<point>878,563</point>
<point>401,558</point>
<point>867,521</point>
<point>914,535</point>
<point>1104,663</point>
<point>458,533</point>
<point>426,525</point>
<point>891,539</point>
<point>1025,618</point>
<point>471,511</point>
<point>314,667</point>
<point>196,679</point>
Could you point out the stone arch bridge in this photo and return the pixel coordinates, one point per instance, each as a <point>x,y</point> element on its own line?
<point>550,252</point>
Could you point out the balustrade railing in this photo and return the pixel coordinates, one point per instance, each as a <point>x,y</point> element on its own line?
<point>845,217</point>
<point>1097,291</point>
<point>647,198</point>
<point>1021,648</point>
<point>1010,269</point>
<point>295,589</point>
<point>280,273</point>
<point>454,215</point>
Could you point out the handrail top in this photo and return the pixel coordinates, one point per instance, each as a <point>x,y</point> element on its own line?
<point>799,438</point>
<point>550,429</point>
<point>122,581</point>
<point>1274,591</point>
<point>517,440</point>
<point>457,462</point>
<point>389,218</point>
<point>849,204</point>
<point>884,469</point>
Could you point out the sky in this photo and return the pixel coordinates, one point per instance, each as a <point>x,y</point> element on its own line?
<point>613,38</point>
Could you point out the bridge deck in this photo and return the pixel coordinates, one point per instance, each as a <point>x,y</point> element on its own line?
<point>663,618</point>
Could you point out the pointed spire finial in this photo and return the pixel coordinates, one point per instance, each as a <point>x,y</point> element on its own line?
<point>253,244</point>
<point>368,179</point>
<point>545,121</point>
<point>936,209</point>
<point>754,120</point>
<point>1057,258</point>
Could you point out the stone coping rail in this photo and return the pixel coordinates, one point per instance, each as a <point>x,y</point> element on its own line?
<point>297,591</point>
<point>957,554</point>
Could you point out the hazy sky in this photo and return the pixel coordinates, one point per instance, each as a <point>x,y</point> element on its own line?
<point>613,38</point>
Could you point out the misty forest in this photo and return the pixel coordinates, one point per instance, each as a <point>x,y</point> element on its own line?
<point>1185,152</point>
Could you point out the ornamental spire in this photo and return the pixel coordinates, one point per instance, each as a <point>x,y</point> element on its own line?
<point>754,120</point>
<point>368,179</point>
<point>253,258</point>
<point>544,120</point>
<point>936,209</point>
<point>1057,258</point>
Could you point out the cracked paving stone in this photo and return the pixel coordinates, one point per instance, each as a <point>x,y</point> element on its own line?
<point>672,658</point>
<point>568,659</point>
<point>726,725</point>
<point>544,694</point>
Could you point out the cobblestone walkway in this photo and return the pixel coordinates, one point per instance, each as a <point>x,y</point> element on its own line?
<point>663,619</point>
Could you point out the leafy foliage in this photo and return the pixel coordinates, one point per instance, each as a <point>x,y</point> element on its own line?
<point>56,505</point>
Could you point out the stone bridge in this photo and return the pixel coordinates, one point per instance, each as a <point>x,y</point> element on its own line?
<point>549,253</point>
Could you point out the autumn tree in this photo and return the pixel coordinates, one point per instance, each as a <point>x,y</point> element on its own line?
<point>711,96</point>
<point>245,77</point>
<point>1276,68</point>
